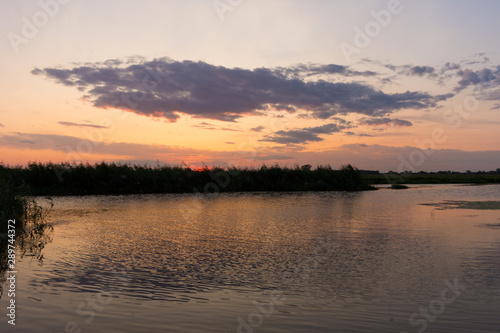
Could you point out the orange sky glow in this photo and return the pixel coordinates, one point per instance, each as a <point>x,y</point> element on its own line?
<point>228,90</point>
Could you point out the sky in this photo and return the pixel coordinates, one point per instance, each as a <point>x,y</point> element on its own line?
<point>409,85</point>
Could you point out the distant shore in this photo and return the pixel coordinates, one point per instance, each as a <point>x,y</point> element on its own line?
<point>441,177</point>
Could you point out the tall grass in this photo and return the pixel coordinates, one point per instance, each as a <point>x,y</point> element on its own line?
<point>16,203</point>
<point>13,205</point>
<point>32,232</point>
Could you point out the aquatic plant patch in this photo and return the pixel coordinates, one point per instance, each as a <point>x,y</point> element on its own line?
<point>453,204</point>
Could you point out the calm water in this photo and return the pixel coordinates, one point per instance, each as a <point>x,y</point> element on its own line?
<point>293,262</point>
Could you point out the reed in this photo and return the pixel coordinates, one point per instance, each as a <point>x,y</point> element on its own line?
<point>103,178</point>
<point>32,232</point>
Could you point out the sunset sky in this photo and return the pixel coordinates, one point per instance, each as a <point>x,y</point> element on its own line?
<point>248,82</point>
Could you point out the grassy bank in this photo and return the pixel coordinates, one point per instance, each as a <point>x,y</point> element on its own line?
<point>87,179</point>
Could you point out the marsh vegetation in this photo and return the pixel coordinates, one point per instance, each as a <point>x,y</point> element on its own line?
<point>103,178</point>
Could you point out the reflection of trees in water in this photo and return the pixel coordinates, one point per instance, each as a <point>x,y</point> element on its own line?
<point>32,234</point>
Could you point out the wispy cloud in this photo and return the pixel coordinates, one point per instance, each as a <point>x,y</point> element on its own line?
<point>364,156</point>
<point>257,129</point>
<point>166,88</point>
<point>385,158</point>
<point>272,157</point>
<point>308,134</point>
<point>65,144</point>
<point>306,70</point>
<point>356,134</point>
<point>205,125</point>
<point>385,122</point>
<point>209,126</point>
<point>66,123</point>
<point>230,129</point>
<point>466,73</point>
<point>31,142</point>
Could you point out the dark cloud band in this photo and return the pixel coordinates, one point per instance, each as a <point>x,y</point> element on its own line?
<point>166,88</point>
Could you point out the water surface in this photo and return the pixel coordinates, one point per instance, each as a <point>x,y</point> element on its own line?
<point>266,262</point>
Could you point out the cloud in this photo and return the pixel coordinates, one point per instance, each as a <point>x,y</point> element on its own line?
<point>208,126</point>
<point>385,158</point>
<point>373,157</point>
<point>269,157</point>
<point>166,88</point>
<point>450,67</point>
<point>306,70</point>
<point>484,77</point>
<point>486,82</point>
<point>230,129</point>
<point>421,70</point>
<point>491,95</point>
<point>300,136</point>
<point>477,58</point>
<point>151,163</point>
<point>69,144</point>
<point>31,142</point>
<point>354,134</point>
<point>122,151</point>
<point>385,122</point>
<point>293,137</point>
<point>66,123</point>
<point>325,129</point>
<point>257,129</point>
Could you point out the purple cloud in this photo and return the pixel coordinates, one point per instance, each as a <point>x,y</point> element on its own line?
<point>66,123</point>
<point>385,122</point>
<point>166,88</point>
